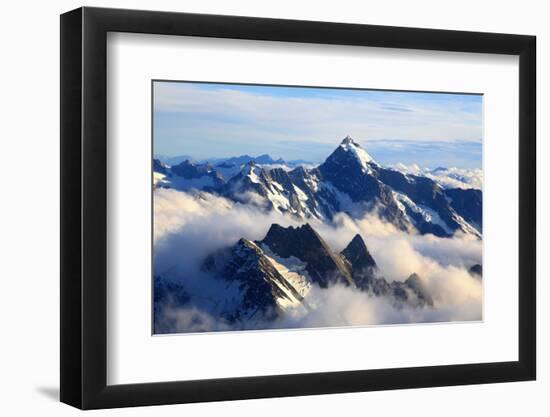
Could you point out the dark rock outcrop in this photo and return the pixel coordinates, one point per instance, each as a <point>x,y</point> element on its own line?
<point>476,270</point>
<point>469,204</point>
<point>361,263</point>
<point>159,167</point>
<point>258,280</point>
<point>417,286</point>
<point>349,181</point>
<point>304,243</point>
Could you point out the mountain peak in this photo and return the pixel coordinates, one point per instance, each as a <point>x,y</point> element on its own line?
<point>349,160</point>
<point>251,170</point>
<point>306,227</point>
<point>251,163</point>
<point>304,243</point>
<point>357,243</point>
<point>358,255</point>
<point>347,141</point>
<point>277,234</point>
<point>415,283</point>
<point>349,145</point>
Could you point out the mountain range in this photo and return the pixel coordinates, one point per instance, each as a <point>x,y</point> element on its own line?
<point>261,281</point>
<point>348,181</point>
<point>233,160</point>
<point>264,279</point>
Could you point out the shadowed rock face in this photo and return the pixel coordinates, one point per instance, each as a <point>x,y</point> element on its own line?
<point>189,170</point>
<point>169,292</point>
<point>304,243</point>
<point>353,266</point>
<point>468,203</point>
<point>259,281</point>
<point>346,172</point>
<point>360,262</point>
<point>275,186</point>
<point>166,295</point>
<point>348,181</point>
<point>412,292</point>
<point>159,167</point>
<point>422,191</point>
<point>476,270</point>
<point>259,288</point>
<point>415,283</point>
<point>367,182</point>
<point>358,255</point>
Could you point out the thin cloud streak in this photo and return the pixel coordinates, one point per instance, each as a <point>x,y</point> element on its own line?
<point>194,113</point>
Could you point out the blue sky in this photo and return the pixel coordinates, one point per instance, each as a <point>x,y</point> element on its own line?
<point>218,120</point>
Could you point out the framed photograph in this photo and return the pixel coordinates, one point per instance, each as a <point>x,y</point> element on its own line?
<point>256,208</point>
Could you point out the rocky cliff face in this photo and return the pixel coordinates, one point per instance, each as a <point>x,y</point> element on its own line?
<point>304,243</point>
<point>266,278</point>
<point>348,181</point>
<point>360,262</point>
<point>286,272</point>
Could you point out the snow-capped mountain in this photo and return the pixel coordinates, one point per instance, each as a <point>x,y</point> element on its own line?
<point>260,159</point>
<point>186,175</point>
<point>349,181</point>
<point>268,278</point>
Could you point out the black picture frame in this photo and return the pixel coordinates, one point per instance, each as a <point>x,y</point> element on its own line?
<point>84,207</point>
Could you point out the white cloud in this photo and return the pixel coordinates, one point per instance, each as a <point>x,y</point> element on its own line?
<point>344,306</point>
<point>238,115</point>
<point>189,227</point>
<point>449,177</point>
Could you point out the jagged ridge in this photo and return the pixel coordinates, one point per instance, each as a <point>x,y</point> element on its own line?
<point>348,181</point>
<point>267,292</point>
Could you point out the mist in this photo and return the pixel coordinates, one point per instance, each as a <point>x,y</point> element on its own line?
<point>190,226</point>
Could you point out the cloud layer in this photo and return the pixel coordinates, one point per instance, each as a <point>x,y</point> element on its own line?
<point>447,177</point>
<point>188,227</point>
